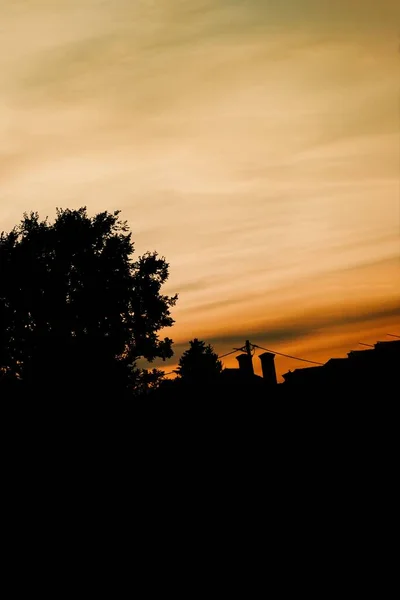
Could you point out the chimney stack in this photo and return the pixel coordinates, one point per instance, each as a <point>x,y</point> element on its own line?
<point>268,368</point>
<point>245,365</point>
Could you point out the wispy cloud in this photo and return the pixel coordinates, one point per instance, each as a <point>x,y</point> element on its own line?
<point>254,144</point>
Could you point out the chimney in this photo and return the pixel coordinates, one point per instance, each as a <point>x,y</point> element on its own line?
<point>268,368</point>
<point>245,365</point>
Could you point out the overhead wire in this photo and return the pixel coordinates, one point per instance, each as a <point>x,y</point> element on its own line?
<point>228,354</point>
<point>222,356</point>
<point>313,362</point>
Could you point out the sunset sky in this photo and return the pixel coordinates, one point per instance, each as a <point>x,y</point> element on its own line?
<point>253,143</point>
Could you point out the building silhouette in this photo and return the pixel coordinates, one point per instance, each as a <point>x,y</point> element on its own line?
<point>361,373</point>
<point>375,369</point>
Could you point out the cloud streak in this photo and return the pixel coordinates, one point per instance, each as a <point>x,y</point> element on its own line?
<point>254,144</point>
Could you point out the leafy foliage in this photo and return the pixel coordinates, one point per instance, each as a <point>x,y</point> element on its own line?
<point>76,312</point>
<point>199,363</point>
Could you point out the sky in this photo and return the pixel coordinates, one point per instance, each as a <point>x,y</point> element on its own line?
<point>255,144</point>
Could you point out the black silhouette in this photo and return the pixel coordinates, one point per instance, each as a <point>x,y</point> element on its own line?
<point>370,371</point>
<point>361,374</point>
<point>76,312</point>
<point>199,363</point>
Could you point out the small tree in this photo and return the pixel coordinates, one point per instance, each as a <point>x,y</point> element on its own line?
<point>76,312</point>
<point>199,363</point>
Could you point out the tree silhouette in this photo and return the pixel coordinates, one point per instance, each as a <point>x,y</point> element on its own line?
<point>199,364</point>
<point>76,312</point>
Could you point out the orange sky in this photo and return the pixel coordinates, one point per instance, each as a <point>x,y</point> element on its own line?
<point>253,143</point>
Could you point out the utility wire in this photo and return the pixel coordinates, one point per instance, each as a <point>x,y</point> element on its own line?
<point>223,356</point>
<point>289,356</point>
<point>228,353</point>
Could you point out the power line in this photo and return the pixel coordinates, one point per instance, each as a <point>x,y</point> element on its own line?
<point>219,357</point>
<point>289,356</point>
<point>392,335</point>
<point>222,356</point>
<point>228,353</point>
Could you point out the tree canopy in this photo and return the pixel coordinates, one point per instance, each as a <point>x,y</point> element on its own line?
<point>199,363</point>
<point>76,311</point>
